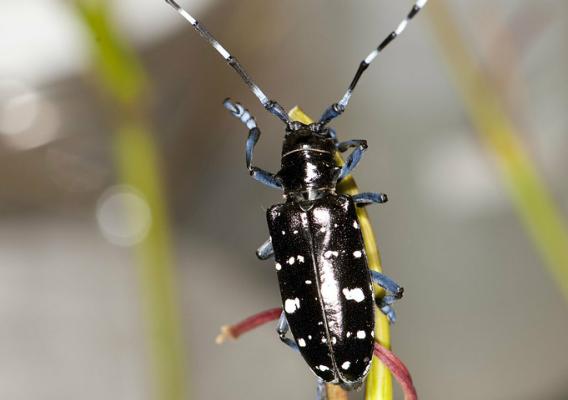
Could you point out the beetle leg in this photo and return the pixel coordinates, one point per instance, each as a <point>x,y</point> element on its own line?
<point>282,329</point>
<point>388,284</point>
<point>332,134</point>
<point>386,309</point>
<point>342,147</point>
<point>366,198</point>
<point>244,116</point>
<point>265,251</point>
<point>265,177</point>
<point>354,157</point>
<point>321,392</point>
<point>394,292</point>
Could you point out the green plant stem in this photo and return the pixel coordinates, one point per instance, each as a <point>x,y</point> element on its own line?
<point>529,194</point>
<point>137,160</point>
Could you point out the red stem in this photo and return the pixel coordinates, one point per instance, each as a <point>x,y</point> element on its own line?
<point>393,363</point>
<point>252,322</point>
<point>398,369</point>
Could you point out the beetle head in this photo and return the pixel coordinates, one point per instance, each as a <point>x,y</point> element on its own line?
<point>308,159</point>
<point>301,137</point>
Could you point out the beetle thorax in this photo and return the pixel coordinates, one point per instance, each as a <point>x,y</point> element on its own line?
<point>308,167</point>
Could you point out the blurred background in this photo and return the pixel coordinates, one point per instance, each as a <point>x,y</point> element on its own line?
<point>128,221</point>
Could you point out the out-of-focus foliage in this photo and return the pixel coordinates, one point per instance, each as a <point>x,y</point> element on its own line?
<point>531,197</point>
<point>138,164</point>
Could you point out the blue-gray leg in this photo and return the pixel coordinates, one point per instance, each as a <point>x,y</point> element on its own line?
<point>366,198</point>
<point>282,329</point>
<point>388,311</point>
<point>264,177</point>
<point>265,251</point>
<point>354,157</point>
<point>394,292</point>
<point>332,134</point>
<point>321,392</point>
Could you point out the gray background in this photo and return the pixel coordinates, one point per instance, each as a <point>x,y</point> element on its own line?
<point>481,318</point>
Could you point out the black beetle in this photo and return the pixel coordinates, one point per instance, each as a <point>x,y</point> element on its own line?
<point>325,282</point>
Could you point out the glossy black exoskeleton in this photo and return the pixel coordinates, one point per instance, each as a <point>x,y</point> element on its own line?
<point>324,278</point>
<point>315,237</point>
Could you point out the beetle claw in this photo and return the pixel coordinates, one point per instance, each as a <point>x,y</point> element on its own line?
<point>399,293</point>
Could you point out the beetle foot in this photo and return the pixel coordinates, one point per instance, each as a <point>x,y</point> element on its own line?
<point>399,293</point>
<point>389,313</point>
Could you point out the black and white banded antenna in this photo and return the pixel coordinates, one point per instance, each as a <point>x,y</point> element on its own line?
<point>272,106</point>
<point>337,109</point>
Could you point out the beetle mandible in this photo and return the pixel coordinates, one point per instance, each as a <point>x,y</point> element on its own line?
<point>315,238</point>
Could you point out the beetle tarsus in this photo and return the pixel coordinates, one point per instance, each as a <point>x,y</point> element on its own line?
<point>265,251</point>
<point>367,198</point>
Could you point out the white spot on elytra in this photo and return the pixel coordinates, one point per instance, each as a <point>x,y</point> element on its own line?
<point>361,335</point>
<point>283,233</point>
<point>320,323</point>
<point>372,333</point>
<point>355,225</point>
<point>322,229</point>
<point>308,282</point>
<point>329,254</point>
<point>301,343</point>
<point>291,305</point>
<point>334,340</point>
<point>310,337</point>
<point>348,334</point>
<point>322,368</point>
<point>357,254</point>
<point>346,365</point>
<point>278,266</point>
<point>291,261</point>
<point>329,289</point>
<point>323,339</point>
<point>322,216</point>
<point>300,259</point>
<point>295,232</point>
<point>335,225</point>
<point>354,294</point>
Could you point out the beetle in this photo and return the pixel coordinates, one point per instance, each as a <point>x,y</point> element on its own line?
<point>315,238</point>
<point>325,281</point>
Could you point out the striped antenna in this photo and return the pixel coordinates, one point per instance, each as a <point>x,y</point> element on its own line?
<point>272,106</point>
<point>337,109</point>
